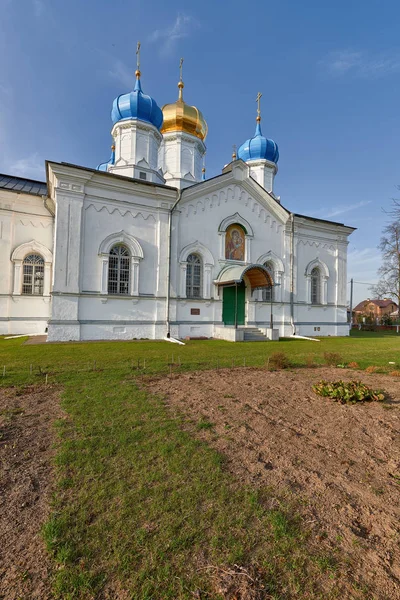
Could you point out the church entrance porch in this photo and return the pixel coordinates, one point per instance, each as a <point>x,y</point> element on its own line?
<point>238,283</point>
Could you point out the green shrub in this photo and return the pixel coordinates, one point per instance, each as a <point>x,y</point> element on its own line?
<point>332,358</point>
<point>279,360</point>
<point>348,392</point>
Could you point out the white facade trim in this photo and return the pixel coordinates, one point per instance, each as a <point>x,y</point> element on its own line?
<point>207,262</point>
<point>121,238</point>
<point>31,247</point>
<point>17,257</point>
<point>317,263</point>
<point>324,273</point>
<point>136,255</point>
<point>278,274</point>
<point>197,248</point>
<point>233,220</point>
<point>273,258</point>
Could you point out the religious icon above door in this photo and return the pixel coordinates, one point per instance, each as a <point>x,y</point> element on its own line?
<point>234,243</point>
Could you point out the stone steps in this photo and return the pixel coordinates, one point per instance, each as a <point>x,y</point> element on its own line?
<point>252,334</point>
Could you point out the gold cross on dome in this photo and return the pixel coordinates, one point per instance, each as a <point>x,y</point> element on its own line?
<point>180,69</point>
<point>258,103</point>
<point>138,56</point>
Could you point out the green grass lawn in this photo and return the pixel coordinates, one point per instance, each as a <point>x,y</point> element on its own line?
<point>139,501</point>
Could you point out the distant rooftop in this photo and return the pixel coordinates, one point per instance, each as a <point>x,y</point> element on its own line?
<point>23,185</point>
<point>379,303</point>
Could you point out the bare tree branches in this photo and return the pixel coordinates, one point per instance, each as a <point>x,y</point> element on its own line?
<point>389,282</point>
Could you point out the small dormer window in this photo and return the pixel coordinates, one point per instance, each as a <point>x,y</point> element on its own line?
<point>142,175</point>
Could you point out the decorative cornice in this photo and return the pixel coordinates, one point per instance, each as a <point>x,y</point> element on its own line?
<point>134,125</point>
<point>122,213</point>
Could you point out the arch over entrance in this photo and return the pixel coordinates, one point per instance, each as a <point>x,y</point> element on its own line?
<point>233,281</point>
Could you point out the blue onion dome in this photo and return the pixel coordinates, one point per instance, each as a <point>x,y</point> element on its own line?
<point>136,105</point>
<point>259,147</point>
<point>104,166</point>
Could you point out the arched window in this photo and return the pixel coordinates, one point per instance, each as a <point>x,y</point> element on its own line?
<point>33,275</point>
<point>119,264</point>
<point>193,276</point>
<point>315,286</point>
<point>268,292</point>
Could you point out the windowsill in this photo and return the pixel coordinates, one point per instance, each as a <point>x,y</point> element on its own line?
<point>231,261</point>
<point>30,295</point>
<point>119,296</point>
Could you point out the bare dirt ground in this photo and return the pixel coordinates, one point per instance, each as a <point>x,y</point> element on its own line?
<point>341,462</point>
<point>26,452</point>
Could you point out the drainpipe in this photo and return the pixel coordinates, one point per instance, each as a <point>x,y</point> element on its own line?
<point>169,262</point>
<point>292,275</point>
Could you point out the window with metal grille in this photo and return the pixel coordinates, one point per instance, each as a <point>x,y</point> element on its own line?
<point>33,275</point>
<point>315,286</point>
<point>268,292</point>
<point>119,263</point>
<point>193,276</point>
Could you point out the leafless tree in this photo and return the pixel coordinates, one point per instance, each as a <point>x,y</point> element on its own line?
<point>389,282</point>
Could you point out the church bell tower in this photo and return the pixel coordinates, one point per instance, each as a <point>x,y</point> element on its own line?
<point>182,151</point>
<point>137,120</point>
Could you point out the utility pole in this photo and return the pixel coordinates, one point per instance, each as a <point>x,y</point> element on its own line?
<point>351,302</point>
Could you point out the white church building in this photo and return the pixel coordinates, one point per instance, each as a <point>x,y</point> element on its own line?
<point>145,246</point>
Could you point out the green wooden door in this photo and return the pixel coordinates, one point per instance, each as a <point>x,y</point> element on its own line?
<point>229,299</point>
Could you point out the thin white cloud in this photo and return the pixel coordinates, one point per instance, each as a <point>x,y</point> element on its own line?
<point>365,256</point>
<point>342,62</point>
<point>31,167</point>
<point>6,93</point>
<point>168,37</point>
<point>363,265</point>
<point>345,208</point>
<point>123,74</point>
<point>361,64</point>
<point>39,7</point>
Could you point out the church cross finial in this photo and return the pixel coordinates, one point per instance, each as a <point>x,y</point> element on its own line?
<point>258,98</point>
<point>137,60</point>
<point>180,69</point>
<point>138,56</point>
<point>180,84</point>
<point>234,152</point>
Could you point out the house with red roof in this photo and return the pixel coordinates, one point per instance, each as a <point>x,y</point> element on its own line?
<point>376,309</point>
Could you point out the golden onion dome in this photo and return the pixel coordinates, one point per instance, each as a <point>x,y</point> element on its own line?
<point>180,116</point>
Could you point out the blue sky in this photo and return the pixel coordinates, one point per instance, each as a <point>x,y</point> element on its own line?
<point>329,73</point>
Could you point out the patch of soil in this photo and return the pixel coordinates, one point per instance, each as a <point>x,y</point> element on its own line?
<point>342,462</point>
<point>26,476</point>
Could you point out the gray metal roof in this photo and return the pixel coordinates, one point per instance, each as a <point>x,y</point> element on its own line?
<point>22,185</point>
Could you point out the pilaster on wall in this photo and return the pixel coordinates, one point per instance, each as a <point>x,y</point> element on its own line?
<point>68,241</point>
<point>341,273</point>
<point>163,251</point>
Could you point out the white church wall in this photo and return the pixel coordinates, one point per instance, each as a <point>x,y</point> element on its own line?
<point>23,219</point>
<point>323,245</point>
<point>127,211</point>
<point>269,240</point>
<point>103,219</point>
<point>201,217</point>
